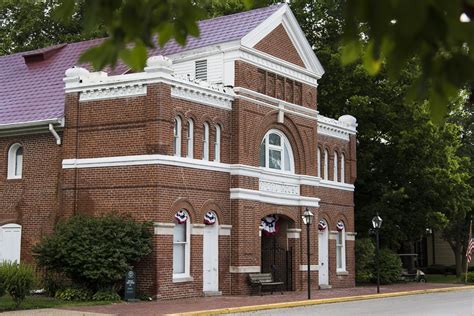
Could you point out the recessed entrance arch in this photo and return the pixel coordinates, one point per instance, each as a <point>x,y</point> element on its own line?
<point>276,252</point>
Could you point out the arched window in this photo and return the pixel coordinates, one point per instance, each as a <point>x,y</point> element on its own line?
<point>326,164</point>
<point>318,161</point>
<point>275,152</point>
<point>15,162</point>
<point>205,142</point>
<point>177,136</point>
<point>335,166</point>
<point>343,169</point>
<point>181,245</point>
<point>341,247</point>
<point>190,140</point>
<point>217,144</point>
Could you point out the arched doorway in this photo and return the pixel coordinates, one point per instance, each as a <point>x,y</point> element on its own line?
<point>323,253</point>
<point>10,242</point>
<point>210,253</point>
<point>276,254</point>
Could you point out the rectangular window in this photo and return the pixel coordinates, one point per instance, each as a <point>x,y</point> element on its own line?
<point>179,248</point>
<point>340,252</point>
<point>274,159</point>
<point>201,69</point>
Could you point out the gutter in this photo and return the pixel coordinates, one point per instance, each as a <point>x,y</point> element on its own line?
<point>33,127</point>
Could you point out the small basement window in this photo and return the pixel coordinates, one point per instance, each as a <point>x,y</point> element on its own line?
<point>201,69</point>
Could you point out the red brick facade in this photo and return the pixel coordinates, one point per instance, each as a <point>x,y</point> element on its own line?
<point>143,125</point>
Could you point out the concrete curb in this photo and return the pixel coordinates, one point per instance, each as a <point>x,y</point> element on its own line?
<point>252,308</point>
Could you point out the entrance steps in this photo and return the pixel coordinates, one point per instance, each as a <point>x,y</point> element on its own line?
<point>212,293</point>
<point>325,287</point>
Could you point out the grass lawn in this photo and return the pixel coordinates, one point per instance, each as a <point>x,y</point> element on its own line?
<point>33,302</point>
<point>441,278</point>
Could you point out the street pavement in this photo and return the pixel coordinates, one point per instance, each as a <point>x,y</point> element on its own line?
<point>448,303</point>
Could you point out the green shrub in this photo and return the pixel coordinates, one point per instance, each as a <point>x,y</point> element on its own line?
<point>18,280</point>
<point>74,294</point>
<point>390,267</point>
<point>94,251</point>
<point>470,277</point>
<point>105,295</point>
<point>52,282</point>
<point>3,278</point>
<point>365,254</point>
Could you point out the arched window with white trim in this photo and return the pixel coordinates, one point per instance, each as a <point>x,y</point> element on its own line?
<point>177,137</point>
<point>205,142</point>
<point>318,161</point>
<point>326,164</point>
<point>276,153</point>
<point>341,247</point>
<point>343,168</point>
<point>335,170</point>
<point>15,162</point>
<point>217,144</point>
<point>190,139</point>
<point>181,245</point>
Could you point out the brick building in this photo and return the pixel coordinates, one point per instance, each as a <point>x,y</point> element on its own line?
<point>219,144</point>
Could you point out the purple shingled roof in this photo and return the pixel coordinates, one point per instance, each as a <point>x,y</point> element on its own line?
<point>35,91</point>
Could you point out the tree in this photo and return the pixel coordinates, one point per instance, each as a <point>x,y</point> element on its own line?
<point>27,25</point>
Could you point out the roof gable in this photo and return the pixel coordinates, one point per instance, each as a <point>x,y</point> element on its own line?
<point>284,17</point>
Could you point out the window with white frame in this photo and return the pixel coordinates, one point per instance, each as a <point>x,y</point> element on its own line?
<point>217,144</point>
<point>181,246</point>
<point>326,164</point>
<point>177,136</point>
<point>335,171</point>
<point>341,248</point>
<point>276,153</point>
<point>190,139</point>
<point>343,168</point>
<point>15,162</point>
<point>205,142</point>
<point>318,161</point>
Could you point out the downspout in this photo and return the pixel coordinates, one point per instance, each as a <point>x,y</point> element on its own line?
<point>55,134</point>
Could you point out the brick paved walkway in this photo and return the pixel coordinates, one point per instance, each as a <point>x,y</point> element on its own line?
<point>206,303</point>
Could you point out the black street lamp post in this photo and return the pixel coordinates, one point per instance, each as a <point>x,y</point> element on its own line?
<point>377,223</point>
<point>308,220</point>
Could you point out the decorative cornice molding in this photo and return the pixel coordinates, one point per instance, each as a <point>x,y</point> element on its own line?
<point>197,96</point>
<point>273,198</point>
<point>335,128</point>
<point>124,91</point>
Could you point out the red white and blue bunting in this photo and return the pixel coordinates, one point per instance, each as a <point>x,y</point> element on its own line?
<point>210,218</point>
<point>340,226</point>
<point>322,225</point>
<point>181,217</point>
<point>270,225</point>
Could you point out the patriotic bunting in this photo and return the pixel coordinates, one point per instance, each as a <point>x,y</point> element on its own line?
<point>210,218</point>
<point>340,226</point>
<point>270,225</point>
<point>470,248</point>
<point>181,217</point>
<point>322,225</point>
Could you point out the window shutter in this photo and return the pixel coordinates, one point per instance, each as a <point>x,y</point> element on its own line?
<point>201,70</point>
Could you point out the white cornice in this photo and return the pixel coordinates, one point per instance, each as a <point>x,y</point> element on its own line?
<point>263,174</point>
<point>335,128</point>
<point>100,86</point>
<point>273,198</point>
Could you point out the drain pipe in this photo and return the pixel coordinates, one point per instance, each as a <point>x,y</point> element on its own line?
<point>55,134</point>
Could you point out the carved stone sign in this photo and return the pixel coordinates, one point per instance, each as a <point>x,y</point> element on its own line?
<point>278,187</point>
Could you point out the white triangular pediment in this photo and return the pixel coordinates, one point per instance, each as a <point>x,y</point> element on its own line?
<point>285,17</point>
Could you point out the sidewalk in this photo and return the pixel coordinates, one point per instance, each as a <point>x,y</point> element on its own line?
<point>208,303</point>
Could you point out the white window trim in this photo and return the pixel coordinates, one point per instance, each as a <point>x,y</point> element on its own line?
<point>281,148</point>
<point>217,144</point>
<point>186,276</point>
<point>190,139</point>
<point>335,166</point>
<point>326,164</point>
<point>319,161</point>
<point>12,162</point>
<point>205,142</point>
<point>343,168</point>
<point>177,136</point>
<point>343,251</point>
